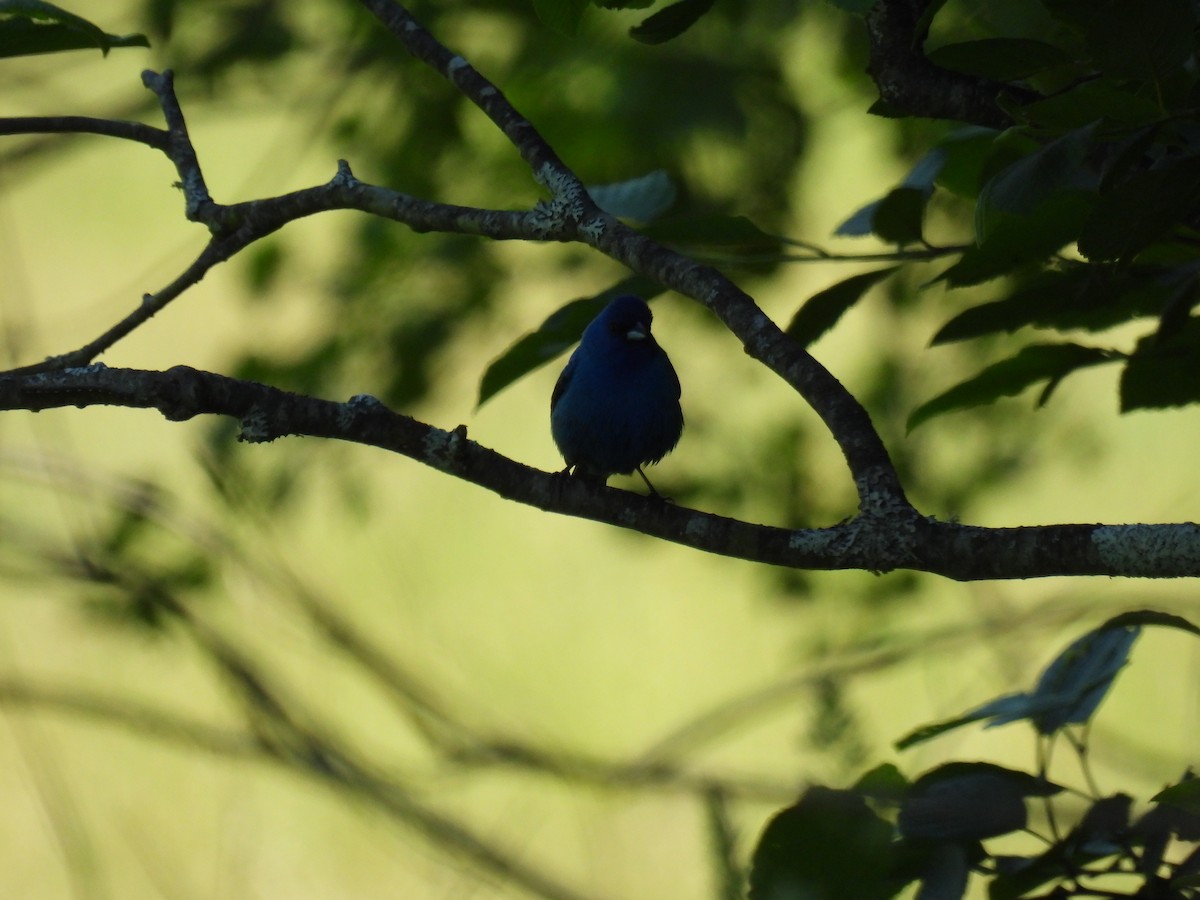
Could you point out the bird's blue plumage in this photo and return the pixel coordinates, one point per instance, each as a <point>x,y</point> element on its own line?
<point>616,407</point>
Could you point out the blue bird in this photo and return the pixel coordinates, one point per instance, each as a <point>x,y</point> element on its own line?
<point>615,407</point>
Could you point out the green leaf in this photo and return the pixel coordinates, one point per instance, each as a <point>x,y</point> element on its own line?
<point>563,16</point>
<point>829,845</point>
<point>556,334</point>
<point>1033,364</point>
<point>642,199</point>
<point>671,21</point>
<point>29,27</point>
<point>884,783</point>
<point>1000,59</point>
<point>967,150</point>
<point>822,310</point>
<point>623,4</point>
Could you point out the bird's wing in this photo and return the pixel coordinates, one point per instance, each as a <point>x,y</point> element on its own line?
<point>560,386</point>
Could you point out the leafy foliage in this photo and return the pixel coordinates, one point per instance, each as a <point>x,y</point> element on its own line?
<point>932,830</point>
<point>29,27</point>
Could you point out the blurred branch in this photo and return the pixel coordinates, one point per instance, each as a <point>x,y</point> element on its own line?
<point>875,542</point>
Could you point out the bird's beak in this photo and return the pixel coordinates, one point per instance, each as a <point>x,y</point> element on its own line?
<point>636,333</point>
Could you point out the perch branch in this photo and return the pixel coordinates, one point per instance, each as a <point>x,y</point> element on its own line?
<point>872,542</point>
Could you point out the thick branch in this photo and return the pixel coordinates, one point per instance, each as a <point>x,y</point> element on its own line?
<point>878,540</point>
<point>911,84</point>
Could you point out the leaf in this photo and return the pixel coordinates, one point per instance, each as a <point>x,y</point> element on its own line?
<point>968,801</point>
<point>1103,100</point>
<point>1024,186</point>
<point>562,16</point>
<point>897,216</point>
<point>1143,41</point>
<point>1076,295</point>
<point>642,199</point>
<point>29,27</point>
<point>822,310</point>
<point>966,150</point>
<point>1069,689</point>
<point>829,844</point>
<point>623,4</point>
<point>560,330</point>
<point>1078,679</point>
<point>1160,374</point>
<point>1000,59</point>
<point>1032,364</point>
<point>1185,795</point>
<point>884,783</point>
<point>670,22</point>
<point>1140,210</point>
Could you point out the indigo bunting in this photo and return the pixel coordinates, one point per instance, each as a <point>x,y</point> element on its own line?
<point>615,407</point>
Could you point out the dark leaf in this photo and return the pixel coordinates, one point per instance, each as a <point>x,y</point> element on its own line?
<point>1144,41</point>
<point>822,310</point>
<point>897,216</point>
<point>556,334</point>
<point>1102,100</point>
<point>1141,209</point>
<point>29,27</point>
<point>1000,59</point>
<point>968,802</point>
<point>1162,374</point>
<point>670,22</point>
<point>1185,795</point>
<point>1023,187</point>
<point>1014,242</point>
<point>561,15</point>
<point>1075,295</point>
<point>1032,364</point>
<point>945,873</point>
<point>829,845</point>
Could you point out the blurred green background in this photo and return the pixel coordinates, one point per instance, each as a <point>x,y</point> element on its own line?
<point>192,629</point>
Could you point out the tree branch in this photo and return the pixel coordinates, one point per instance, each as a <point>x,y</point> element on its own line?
<point>579,218</point>
<point>878,539</point>
<point>908,82</point>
